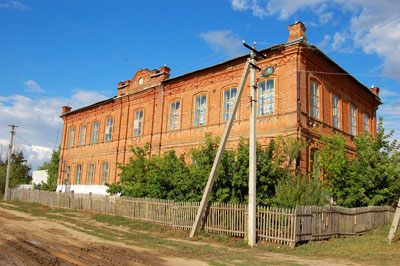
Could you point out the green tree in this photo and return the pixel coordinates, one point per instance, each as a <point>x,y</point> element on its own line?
<point>52,171</point>
<point>19,171</point>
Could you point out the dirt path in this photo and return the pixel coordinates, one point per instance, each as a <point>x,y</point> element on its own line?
<point>28,240</point>
<point>33,240</point>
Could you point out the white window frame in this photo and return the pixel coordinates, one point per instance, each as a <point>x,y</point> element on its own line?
<point>105,169</point>
<point>335,111</point>
<point>266,97</point>
<point>175,115</point>
<point>108,129</point>
<point>138,123</point>
<point>71,137</point>
<point>95,131</point>
<point>82,135</point>
<point>314,99</point>
<point>78,174</point>
<point>366,123</point>
<point>90,175</point>
<point>353,121</point>
<point>229,96</point>
<point>200,110</point>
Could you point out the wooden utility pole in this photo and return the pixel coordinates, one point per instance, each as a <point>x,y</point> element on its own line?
<point>220,152</point>
<point>9,160</point>
<point>395,223</point>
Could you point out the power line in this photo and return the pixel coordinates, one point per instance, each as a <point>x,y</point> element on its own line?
<point>390,21</point>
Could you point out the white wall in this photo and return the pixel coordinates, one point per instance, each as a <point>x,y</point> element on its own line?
<point>39,176</point>
<point>84,189</point>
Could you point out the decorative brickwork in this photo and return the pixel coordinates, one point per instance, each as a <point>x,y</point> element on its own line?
<point>153,92</point>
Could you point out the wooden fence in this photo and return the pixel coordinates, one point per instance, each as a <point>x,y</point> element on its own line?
<point>279,225</point>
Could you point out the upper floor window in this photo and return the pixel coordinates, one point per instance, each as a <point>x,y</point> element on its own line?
<point>200,110</point>
<point>335,111</point>
<point>174,115</point>
<point>314,99</point>
<point>95,131</point>
<point>104,173</point>
<point>266,97</point>
<point>352,120</point>
<point>109,127</point>
<point>366,123</point>
<point>138,123</point>
<point>90,174</point>
<point>78,174</point>
<point>71,137</point>
<point>67,174</point>
<point>229,96</point>
<point>82,135</point>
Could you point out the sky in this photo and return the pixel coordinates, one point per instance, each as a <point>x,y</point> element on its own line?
<point>74,52</point>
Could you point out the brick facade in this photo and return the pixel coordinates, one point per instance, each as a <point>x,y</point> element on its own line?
<point>148,97</point>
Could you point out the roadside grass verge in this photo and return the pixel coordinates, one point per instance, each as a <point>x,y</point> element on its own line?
<point>369,249</point>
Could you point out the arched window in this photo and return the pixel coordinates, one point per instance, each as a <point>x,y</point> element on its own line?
<point>138,123</point>
<point>90,176</point>
<point>353,123</point>
<point>108,129</point>
<point>314,164</point>
<point>366,123</point>
<point>200,110</point>
<point>335,111</point>
<point>266,97</point>
<point>174,115</point>
<point>71,137</point>
<point>104,173</point>
<point>82,135</point>
<point>78,174</point>
<point>95,131</point>
<point>229,96</point>
<point>314,99</point>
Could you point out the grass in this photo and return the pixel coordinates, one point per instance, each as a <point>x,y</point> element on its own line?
<point>369,249</point>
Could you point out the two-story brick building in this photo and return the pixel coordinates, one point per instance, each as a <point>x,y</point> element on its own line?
<point>307,96</point>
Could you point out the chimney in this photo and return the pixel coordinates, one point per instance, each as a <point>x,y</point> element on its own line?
<point>375,90</point>
<point>154,72</point>
<point>165,69</point>
<point>66,109</point>
<point>297,31</point>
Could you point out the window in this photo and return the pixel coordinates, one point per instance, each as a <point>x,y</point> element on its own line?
<point>335,111</point>
<point>67,173</point>
<point>90,174</point>
<point>138,123</point>
<point>314,165</point>
<point>314,99</point>
<point>78,174</point>
<point>200,110</point>
<point>352,120</point>
<point>71,137</point>
<point>104,173</point>
<point>95,131</point>
<point>366,123</point>
<point>266,97</point>
<point>82,135</point>
<point>174,115</point>
<point>109,127</point>
<point>229,96</point>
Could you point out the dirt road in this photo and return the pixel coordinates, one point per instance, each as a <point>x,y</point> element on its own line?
<point>29,240</point>
<point>42,236</point>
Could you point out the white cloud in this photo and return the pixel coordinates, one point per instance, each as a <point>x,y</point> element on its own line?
<point>32,86</point>
<point>338,40</point>
<point>39,123</point>
<point>224,41</point>
<point>12,4</point>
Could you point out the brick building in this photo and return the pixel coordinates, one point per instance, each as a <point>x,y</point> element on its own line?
<point>308,95</point>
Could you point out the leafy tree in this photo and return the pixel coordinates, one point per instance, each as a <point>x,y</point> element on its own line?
<point>52,171</point>
<point>19,171</point>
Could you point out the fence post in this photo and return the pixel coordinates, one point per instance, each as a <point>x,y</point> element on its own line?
<point>90,201</point>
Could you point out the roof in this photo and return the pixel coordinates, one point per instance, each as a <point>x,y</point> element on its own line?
<point>300,40</point>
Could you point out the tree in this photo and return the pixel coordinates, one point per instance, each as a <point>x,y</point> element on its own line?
<point>52,171</point>
<point>19,171</point>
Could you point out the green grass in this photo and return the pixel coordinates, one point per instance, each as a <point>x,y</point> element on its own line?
<point>369,249</point>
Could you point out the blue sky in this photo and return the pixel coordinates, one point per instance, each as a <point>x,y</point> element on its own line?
<point>68,52</point>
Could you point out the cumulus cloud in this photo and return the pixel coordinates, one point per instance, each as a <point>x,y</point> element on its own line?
<point>12,4</point>
<point>32,86</point>
<point>38,120</point>
<point>223,41</point>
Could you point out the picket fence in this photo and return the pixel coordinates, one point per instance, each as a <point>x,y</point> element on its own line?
<point>278,225</point>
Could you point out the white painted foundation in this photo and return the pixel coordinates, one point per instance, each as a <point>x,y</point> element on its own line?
<point>84,189</point>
